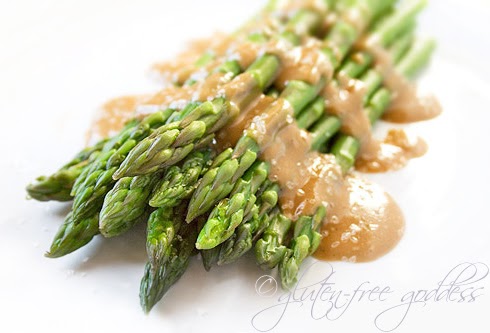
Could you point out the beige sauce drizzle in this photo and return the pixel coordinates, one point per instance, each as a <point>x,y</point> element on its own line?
<point>305,63</point>
<point>294,5</point>
<point>392,154</point>
<point>222,46</point>
<point>115,113</point>
<point>229,136</point>
<point>216,84</point>
<point>245,52</point>
<point>170,96</point>
<point>180,70</point>
<point>345,99</point>
<point>364,227</point>
<point>406,106</point>
<point>112,116</point>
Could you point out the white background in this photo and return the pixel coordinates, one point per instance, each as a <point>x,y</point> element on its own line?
<point>59,60</point>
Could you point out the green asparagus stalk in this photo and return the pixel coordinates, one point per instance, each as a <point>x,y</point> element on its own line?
<point>111,144</point>
<point>230,213</point>
<point>170,247</point>
<point>344,33</point>
<point>58,186</point>
<point>179,181</point>
<point>127,201</point>
<point>163,225</point>
<point>241,241</point>
<point>171,143</point>
<point>210,257</point>
<point>90,193</point>
<point>217,183</point>
<point>305,241</point>
<point>267,201</point>
<point>269,250</point>
<point>73,234</point>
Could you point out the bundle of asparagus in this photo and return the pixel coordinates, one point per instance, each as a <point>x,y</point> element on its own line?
<point>170,169</point>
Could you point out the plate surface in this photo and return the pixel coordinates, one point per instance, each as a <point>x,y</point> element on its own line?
<point>61,59</point>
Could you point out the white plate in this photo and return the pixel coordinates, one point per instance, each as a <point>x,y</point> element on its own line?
<point>60,60</point>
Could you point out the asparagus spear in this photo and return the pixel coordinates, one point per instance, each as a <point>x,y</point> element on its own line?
<point>241,241</point>
<point>90,192</point>
<point>73,235</point>
<point>217,183</point>
<point>127,201</point>
<point>169,144</point>
<point>124,204</point>
<point>163,225</point>
<point>111,144</point>
<point>305,241</point>
<point>344,33</point>
<point>170,247</point>
<point>58,186</point>
<point>179,181</point>
<point>210,257</point>
<point>230,213</point>
<point>269,250</point>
